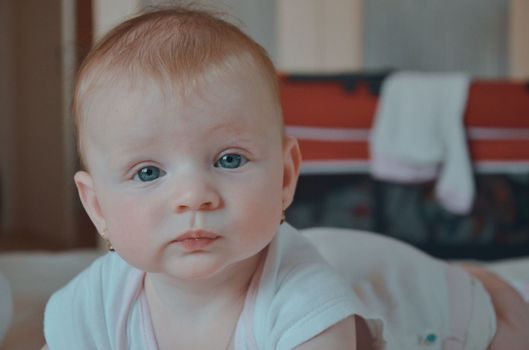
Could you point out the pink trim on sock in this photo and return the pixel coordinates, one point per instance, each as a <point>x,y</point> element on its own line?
<point>391,169</point>
<point>457,202</point>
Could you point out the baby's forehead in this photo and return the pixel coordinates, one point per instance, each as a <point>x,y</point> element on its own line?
<point>111,80</point>
<point>227,82</point>
<point>145,102</point>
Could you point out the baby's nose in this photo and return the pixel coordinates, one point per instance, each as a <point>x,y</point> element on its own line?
<point>195,195</point>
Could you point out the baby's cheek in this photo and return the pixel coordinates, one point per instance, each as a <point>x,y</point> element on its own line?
<point>128,216</point>
<point>262,206</point>
<point>130,228</point>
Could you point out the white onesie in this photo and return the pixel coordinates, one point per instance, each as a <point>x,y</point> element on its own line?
<point>293,296</point>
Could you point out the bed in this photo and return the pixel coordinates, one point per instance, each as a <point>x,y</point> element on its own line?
<point>35,275</point>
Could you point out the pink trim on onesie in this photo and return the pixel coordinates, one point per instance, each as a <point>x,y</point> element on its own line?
<point>246,319</point>
<point>460,298</point>
<point>146,321</point>
<point>133,287</point>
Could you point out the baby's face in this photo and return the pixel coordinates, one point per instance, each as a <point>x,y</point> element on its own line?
<point>213,163</point>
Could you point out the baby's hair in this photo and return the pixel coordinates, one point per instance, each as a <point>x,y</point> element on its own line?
<point>174,45</point>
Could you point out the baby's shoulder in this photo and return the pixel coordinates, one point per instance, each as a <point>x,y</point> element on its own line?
<point>102,273</point>
<point>299,295</point>
<point>294,262</point>
<point>90,302</point>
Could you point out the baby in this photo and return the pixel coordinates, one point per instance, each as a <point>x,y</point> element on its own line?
<point>187,176</point>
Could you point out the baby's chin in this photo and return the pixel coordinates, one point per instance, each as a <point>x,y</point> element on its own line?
<point>193,267</point>
<point>206,268</point>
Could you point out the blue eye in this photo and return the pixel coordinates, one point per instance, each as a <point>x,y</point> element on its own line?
<point>149,173</point>
<point>231,161</point>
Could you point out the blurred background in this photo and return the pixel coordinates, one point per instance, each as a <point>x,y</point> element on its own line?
<point>334,58</point>
<point>42,43</point>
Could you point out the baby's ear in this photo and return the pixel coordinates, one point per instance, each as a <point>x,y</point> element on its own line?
<point>85,187</point>
<point>291,165</point>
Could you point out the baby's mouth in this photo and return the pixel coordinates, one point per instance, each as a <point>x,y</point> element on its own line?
<point>194,240</point>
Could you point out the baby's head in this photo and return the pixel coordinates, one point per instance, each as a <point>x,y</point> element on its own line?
<point>180,130</point>
<point>178,49</point>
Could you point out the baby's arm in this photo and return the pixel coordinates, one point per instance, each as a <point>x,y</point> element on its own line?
<point>341,336</point>
<point>512,313</point>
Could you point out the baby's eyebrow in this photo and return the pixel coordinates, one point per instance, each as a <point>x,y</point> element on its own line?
<point>228,128</point>
<point>129,149</point>
<point>128,153</point>
<point>121,161</point>
<point>233,131</point>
